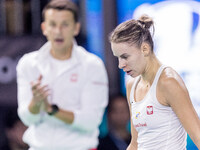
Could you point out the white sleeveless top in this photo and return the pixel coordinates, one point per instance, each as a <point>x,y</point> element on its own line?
<point>157,125</point>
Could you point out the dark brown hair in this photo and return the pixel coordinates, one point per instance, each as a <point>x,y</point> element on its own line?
<point>62,5</point>
<point>134,32</point>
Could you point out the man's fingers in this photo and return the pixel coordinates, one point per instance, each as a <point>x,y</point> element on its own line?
<point>40,78</point>
<point>36,83</point>
<point>41,92</point>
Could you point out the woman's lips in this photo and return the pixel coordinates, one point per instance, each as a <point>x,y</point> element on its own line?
<point>128,72</point>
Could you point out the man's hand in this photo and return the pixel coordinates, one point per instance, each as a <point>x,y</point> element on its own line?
<point>40,93</point>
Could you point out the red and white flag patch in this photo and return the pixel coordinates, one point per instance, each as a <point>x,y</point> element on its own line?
<point>149,110</point>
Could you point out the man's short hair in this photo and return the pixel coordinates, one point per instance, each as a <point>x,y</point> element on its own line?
<point>62,5</point>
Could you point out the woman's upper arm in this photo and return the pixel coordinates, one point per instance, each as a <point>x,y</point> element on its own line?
<point>134,135</point>
<point>176,95</point>
<point>133,144</point>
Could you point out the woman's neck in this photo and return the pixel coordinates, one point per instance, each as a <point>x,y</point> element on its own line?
<point>151,70</point>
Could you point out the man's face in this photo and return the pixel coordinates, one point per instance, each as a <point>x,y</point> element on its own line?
<point>119,114</point>
<point>60,28</point>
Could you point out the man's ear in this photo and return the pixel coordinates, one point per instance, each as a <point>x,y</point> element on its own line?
<point>43,28</point>
<point>77,28</point>
<point>146,49</point>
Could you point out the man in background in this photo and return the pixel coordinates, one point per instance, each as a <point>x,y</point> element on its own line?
<point>62,88</point>
<point>118,136</point>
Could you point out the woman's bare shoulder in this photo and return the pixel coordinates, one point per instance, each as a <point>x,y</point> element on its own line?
<point>169,76</point>
<point>170,84</point>
<point>129,85</point>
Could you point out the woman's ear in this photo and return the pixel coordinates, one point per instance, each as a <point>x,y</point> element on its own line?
<point>146,49</point>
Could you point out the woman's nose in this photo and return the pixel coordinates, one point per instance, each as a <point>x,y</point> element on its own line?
<point>121,64</point>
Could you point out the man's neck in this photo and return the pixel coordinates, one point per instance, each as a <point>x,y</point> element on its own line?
<point>61,54</point>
